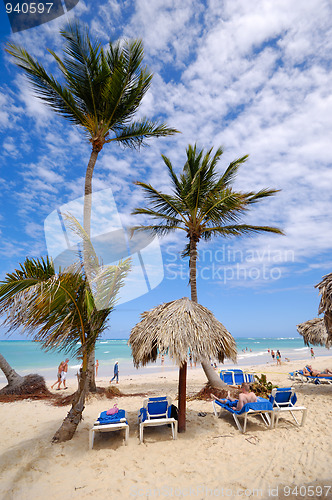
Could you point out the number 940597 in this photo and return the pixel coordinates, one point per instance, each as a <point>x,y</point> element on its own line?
<point>28,8</point>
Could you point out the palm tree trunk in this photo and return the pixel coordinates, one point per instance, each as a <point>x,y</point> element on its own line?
<point>88,191</point>
<point>74,416</point>
<point>91,380</point>
<point>209,371</point>
<point>13,378</point>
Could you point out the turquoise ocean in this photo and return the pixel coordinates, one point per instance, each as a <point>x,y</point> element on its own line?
<point>28,356</point>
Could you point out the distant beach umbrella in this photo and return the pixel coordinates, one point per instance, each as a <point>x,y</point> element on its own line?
<point>180,327</point>
<point>314,332</point>
<point>325,305</point>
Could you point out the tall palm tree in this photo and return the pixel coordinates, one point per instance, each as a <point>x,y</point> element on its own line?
<point>58,310</point>
<point>102,91</point>
<point>202,204</point>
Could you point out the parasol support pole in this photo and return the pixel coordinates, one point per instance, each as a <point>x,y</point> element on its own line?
<point>182,397</point>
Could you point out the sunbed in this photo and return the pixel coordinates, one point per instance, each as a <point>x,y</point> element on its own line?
<point>262,407</point>
<point>299,376</point>
<point>236,377</point>
<point>283,399</point>
<point>156,411</point>
<point>109,423</point>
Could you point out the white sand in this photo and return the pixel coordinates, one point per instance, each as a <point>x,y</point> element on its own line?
<point>212,459</point>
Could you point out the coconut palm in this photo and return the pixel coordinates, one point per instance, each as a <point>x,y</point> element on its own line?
<point>202,204</point>
<point>101,91</point>
<point>58,310</point>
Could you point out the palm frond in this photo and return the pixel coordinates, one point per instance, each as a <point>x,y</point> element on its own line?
<point>134,134</point>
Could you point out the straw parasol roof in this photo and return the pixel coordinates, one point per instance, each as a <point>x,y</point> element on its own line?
<point>314,332</point>
<point>177,327</point>
<point>325,306</point>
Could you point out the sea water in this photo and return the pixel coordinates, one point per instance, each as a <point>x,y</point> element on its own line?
<point>28,357</point>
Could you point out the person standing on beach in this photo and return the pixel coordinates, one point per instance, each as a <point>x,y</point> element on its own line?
<point>272,354</point>
<point>64,374</point>
<point>278,356</point>
<point>116,372</point>
<point>97,366</point>
<point>58,376</point>
<point>312,353</point>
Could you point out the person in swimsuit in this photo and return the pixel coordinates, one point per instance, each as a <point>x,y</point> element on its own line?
<point>245,397</point>
<point>58,376</point>
<point>64,374</point>
<point>310,372</point>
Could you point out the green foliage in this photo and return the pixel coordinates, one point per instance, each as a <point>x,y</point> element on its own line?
<point>262,387</point>
<point>202,203</point>
<point>101,88</point>
<point>57,308</point>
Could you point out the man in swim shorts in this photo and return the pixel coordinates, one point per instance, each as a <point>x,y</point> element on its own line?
<point>64,373</point>
<point>245,397</point>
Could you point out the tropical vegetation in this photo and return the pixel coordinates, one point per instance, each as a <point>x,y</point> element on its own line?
<point>203,205</point>
<point>58,310</point>
<point>101,91</point>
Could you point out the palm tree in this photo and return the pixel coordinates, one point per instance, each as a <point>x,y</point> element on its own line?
<point>102,90</point>
<point>202,204</point>
<point>58,310</point>
<point>32,384</point>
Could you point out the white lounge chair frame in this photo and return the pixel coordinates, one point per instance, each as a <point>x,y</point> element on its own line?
<point>312,379</point>
<point>97,427</point>
<point>279,408</point>
<point>267,419</point>
<point>153,422</point>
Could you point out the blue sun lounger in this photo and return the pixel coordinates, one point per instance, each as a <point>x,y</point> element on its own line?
<point>236,377</point>
<point>156,411</point>
<point>262,407</point>
<point>109,423</point>
<point>284,399</point>
<point>298,376</point>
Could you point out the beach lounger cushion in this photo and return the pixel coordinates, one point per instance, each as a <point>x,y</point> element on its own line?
<point>236,377</point>
<point>109,423</point>
<point>262,407</point>
<point>156,411</point>
<point>299,376</point>
<point>283,399</point>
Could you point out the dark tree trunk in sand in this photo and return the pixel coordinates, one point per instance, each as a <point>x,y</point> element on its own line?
<point>13,378</point>
<point>30,384</point>
<point>70,423</point>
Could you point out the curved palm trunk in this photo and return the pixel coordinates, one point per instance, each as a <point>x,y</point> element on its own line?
<point>209,371</point>
<point>87,228</point>
<point>13,378</point>
<point>74,416</point>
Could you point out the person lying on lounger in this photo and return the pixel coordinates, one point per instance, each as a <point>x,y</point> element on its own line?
<point>245,397</point>
<point>310,372</point>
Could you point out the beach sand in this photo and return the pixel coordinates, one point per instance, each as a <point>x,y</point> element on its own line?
<point>212,459</point>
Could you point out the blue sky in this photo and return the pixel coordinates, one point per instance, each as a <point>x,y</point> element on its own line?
<point>254,77</point>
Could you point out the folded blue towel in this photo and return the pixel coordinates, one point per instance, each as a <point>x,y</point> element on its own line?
<point>111,419</point>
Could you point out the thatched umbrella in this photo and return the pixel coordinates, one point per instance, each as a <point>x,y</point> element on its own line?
<point>314,332</point>
<point>180,327</point>
<point>325,306</point>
